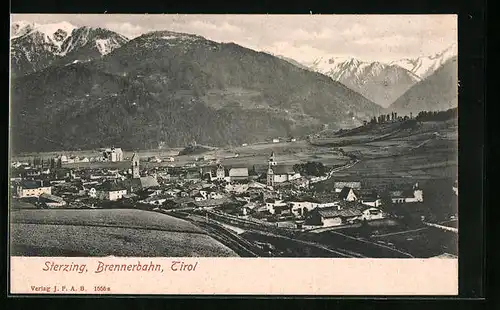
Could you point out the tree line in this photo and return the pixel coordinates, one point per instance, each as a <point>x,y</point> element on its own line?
<point>437,115</point>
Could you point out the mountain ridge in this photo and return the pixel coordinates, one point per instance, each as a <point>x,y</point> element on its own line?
<point>437,92</point>
<point>173,88</point>
<point>37,46</point>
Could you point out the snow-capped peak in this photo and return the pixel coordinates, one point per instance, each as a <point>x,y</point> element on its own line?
<point>426,65</point>
<point>20,28</point>
<point>53,31</point>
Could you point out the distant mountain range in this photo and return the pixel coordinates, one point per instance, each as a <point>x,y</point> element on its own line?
<point>380,82</point>
<point>37,46</point>
<point>82,87</point>
<point>437,92</point>
<point>426,65</point>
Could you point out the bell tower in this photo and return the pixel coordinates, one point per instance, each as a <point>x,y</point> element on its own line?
<point>270,173</point>
<point>272,160</point>
<point>135,166</point>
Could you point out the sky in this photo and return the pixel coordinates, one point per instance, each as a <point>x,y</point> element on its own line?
<point>303,38</point>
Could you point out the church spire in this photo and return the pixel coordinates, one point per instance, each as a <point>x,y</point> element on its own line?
<point>135,166</point>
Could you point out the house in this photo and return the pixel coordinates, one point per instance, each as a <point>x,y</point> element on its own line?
<point>325,201</point>
<point>183,202</point>
<point>338,186</point>
<point>192,176</point>
<point>174,192</point>
<point>113,154</point>
<point>276,140</point>
<point>372,214</point>
<point>155,200</point>
<point>141,183</point>
<point>154,159</point>
<point>236,188</point>
<point>214,173</point>
<point>111,190</point>
<point>348,194</point>
<point>408,196</point>
<point>371,199</point>
<point>300,183</point>
<point>210,193</point>
<point>210,203</point>
<point>63,159</point>
<point>32,173</point>
<point>33,188</point>
<point>335,216</point>
<point>302,206</point>
<point>238,174</point>
<point>273,204</point>
<point>51,201</point>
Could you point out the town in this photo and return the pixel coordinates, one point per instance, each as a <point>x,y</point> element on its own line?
<point>253,211</point>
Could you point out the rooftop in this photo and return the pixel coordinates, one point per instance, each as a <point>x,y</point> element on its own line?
<point>238,172</point>
<point>283,169</point>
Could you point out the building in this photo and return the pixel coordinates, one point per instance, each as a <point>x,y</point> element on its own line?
<point>302,206</point>
<point>272,160</point>
<point>154,159</point>
<point>33,188</point>
<point>407,196</point>
<point>113,154</point>
<point>273,204</point>
<point>372,213</point>
<point>51,201</point>
<point>238,174</point>
<point>348,194</point>
<point>214,173</point>
<point>135,166</point>
<point>220,173</point>
<point>279,173</point>
<point>210,203</point>
<point>338,186</point>
<point>335,216</point>
<point>155,200</point>
<point>276,140</point>
<point>371,199</point>
<point>141,183</point>
<point>111,190</point>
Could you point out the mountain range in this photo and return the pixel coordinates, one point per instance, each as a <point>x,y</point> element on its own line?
<point>380,82</point>
<point>436,92</point>
<point>426,65</point>
<point>163,87</point>
<point>37,46</point>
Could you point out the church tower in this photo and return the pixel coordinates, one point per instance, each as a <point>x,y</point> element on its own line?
<point>272,160</point>
<point>135,166</point>
<point>270,173</point>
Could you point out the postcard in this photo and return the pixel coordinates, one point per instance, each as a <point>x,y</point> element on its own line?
<point>233,154</point>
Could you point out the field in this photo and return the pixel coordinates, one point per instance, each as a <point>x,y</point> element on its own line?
<point>108,232</point>
<point>69,240</point>
<point>425,243</point>
<point>242,156</point>
<point>127,218</point>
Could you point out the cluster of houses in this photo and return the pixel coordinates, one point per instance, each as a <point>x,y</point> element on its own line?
<point>281,194</point>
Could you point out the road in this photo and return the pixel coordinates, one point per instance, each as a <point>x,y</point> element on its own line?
<point>337,169</point>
